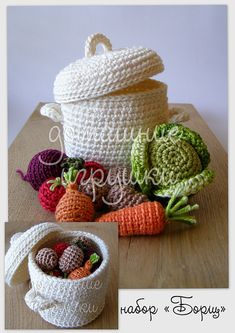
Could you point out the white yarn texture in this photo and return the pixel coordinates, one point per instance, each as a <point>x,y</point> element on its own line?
<point>16,258</point>
<point>64,302</point>
<point>97,75</point>
<point>106,99</point>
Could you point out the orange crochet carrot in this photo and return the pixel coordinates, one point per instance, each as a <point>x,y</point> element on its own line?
<point>84,271</point>
<point>74,206</point>
<point>149,218</point>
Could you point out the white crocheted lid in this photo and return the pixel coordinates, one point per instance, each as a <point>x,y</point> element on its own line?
<point>16,258</point>
<point>98,75</point>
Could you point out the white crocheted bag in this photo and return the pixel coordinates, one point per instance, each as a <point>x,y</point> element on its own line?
<point>61,302</point>
<point>105,99</point>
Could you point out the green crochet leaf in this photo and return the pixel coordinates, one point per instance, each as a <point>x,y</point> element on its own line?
<point>187,186</point>
<point>186,134</point>
<point>140,162</point>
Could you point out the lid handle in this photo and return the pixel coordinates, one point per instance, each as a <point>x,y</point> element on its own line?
<point>92,42</point>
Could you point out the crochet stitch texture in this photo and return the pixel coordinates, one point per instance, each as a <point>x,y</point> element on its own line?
<point>43,165</point>
<point>49,198</point>
<point>176,156</point>
<point>106,99</point>
<point>144,219</point>
<point>95,191</point>
<point>47,258</point>
<point>71,258</point>
<point>124,196</point>
<point>74,206</point>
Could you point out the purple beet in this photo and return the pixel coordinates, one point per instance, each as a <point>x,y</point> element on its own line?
<point>43,165</point>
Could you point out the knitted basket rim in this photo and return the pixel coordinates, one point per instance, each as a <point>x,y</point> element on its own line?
<point>98,75</point>
<point>71,234</point>
<point>16,258</point>
<point>127,94</point>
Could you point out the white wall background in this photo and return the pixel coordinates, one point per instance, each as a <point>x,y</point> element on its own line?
<point>192,41</point>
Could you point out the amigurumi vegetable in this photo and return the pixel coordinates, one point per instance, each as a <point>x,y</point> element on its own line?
<point>84,271</point>
<point>124,196</point>
<point>60,247</point>
<point>119,176</point>
<point>74,206</point>
<point>46,259</point>
<point>91,170</point>
<point>83,242</point>
<point>71,259</point>
<point>44,165</point>
<point>50,193</point>
<point>175,156</point>
<point>95,190</point>
<point>150,218</point>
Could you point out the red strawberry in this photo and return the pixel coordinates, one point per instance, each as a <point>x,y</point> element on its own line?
<point>50,193</point>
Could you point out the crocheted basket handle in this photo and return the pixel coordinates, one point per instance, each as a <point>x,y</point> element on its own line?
<point>178,115</point>
<point>52,111</point>
<point>36,302</point>
<point>92,42</point>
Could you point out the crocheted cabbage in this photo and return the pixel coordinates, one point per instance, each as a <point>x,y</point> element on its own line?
<point>173,157</point>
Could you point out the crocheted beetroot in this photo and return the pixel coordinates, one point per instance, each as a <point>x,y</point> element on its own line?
<point>50,193</point>
<point>60,247</point>
<point>43,165</point>
<point>71,259</point>
<point>46,258</point>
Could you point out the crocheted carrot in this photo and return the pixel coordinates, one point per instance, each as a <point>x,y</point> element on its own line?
<point>84,271</point>
<point>74,206</point>
<point>150,218</point>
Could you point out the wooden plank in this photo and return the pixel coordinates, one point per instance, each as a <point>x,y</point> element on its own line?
<point>19,316</point>
<point>181,257</point>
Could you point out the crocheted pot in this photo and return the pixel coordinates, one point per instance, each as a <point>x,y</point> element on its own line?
<point>74,206</point>
<point>123,196</point>
<point>44,165</point>
<point>175,158</point>
<point>50,193</point>
<point>104,100</point>
<point>58,301</point>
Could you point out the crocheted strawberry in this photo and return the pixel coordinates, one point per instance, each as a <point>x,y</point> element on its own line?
<point>50,193</point>
<point>60,247</point>
<point>71,259</point>
<point>46,259</point>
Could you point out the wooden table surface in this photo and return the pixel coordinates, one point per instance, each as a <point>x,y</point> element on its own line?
<point>19,316</point>
<point>181,257</point>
